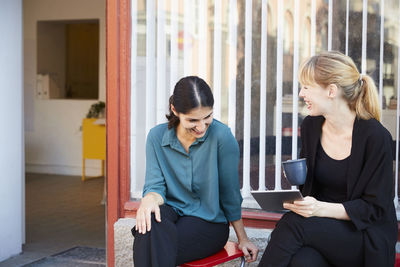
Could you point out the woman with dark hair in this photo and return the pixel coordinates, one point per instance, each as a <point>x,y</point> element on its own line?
<point>347,217</point>
<point>191,190</point>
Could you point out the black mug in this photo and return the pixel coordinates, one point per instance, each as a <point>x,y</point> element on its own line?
<point>295,171</point>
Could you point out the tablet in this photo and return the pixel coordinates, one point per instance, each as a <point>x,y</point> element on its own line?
<point>273,200</point>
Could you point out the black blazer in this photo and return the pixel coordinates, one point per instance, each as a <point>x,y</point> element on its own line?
<point>370,183</point>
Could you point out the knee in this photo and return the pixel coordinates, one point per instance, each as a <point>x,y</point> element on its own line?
<point>289,223</point>
<point>298,261</point>
<point>291,218</point>
<point>136,234</point>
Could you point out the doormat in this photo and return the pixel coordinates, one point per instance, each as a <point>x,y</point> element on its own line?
<point>74,257</point>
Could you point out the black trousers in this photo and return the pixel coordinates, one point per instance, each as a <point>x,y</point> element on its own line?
<point>177,239</point>
<point>313,242</point>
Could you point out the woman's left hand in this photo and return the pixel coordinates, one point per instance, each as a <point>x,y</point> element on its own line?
<point>250,251</point>
<point>308,207</point>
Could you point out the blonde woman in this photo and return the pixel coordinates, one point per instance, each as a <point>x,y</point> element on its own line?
<point>347,217</point>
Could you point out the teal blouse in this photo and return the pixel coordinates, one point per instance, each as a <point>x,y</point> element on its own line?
<point>204,182</point>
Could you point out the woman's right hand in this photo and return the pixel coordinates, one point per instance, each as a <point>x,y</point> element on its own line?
<point>150,203</point>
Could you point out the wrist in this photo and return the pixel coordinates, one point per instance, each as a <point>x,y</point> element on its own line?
<point>155,197</point>
<point>243,239</point>
<point>332,210</point>
<point>321,208</point>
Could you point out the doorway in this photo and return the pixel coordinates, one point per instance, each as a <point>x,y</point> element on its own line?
<point>62,212</point>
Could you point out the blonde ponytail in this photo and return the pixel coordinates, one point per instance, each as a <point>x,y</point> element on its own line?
<point>367,103</point>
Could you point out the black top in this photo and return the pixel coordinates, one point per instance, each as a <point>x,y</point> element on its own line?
<point>369,183</point>
<point>330,177</point>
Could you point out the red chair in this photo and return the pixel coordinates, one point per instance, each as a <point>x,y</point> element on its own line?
<point>397,262</point>
<point>228,253</point>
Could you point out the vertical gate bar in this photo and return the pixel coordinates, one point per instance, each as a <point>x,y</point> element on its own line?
<point>150,65</point>
<point>313,26</point>
<point>174,46</point>
<point>161,56</point>
<point>347,27</point>
<point>295,116</point>
<point>133,94</point>
<point>247,99</point>
<point>187,38</point>
<point>203,25</point>
<point>364,37</point>
<point>330,14</point>
<point>278,115</point>
<point>217,59</point>
<point>233,21</point>
<point>263,96</point>
<point>381,49</point>
<point>396,198</point>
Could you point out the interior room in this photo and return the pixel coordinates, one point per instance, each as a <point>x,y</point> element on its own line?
<point>64,92</point>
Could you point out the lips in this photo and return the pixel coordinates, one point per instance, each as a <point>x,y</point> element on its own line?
<point>197,132</point>
<point>308,104</point>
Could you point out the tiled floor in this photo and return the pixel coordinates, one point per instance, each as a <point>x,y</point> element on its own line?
<point>61,212</point>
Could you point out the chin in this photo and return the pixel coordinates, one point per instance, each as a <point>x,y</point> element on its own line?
<point>199,135</point>
<point>314,113</point>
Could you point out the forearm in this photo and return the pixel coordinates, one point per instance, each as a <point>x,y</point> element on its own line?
<point>332,210</point>
<point>310,206</point>
<point>239,230</point>
<point>250,251</point>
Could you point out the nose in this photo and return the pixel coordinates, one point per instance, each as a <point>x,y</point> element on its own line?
<point>201,126</point>
<point>301,93</point>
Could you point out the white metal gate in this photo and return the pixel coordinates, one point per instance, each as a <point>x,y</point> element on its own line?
<point>249,52</point>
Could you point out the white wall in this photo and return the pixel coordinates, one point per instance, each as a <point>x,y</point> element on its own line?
<point>52,135</point>
<point>11,133</point>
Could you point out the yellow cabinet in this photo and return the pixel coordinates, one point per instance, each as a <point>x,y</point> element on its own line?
<point>93,142</point>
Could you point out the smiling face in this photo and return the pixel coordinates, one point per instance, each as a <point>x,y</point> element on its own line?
<point>316,99</point>
<point>195,123</point>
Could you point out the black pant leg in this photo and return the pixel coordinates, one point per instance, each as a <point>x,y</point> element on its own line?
<point>286,240</point>
<point>198,238</point>
<point>157,248</point>
<point>338,241</point>
<point>308,257</point>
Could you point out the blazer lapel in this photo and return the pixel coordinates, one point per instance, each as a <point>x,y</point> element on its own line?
<point>353,168</point>
<point>313,140</point>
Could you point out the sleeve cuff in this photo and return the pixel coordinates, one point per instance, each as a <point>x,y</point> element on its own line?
<point>155,191</point>
<point>234,216</point>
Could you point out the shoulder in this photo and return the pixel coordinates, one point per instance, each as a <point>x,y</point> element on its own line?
<point>372,129</point>
<point>157,132</point>
<point>220,130</point>
<point>219,127</point>
<point>222,134</point>
<point>372,136</point>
